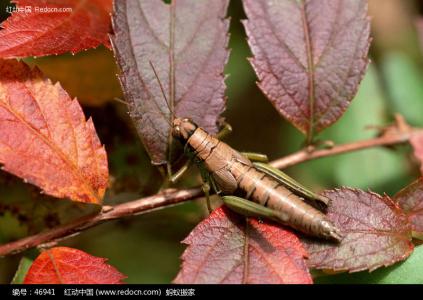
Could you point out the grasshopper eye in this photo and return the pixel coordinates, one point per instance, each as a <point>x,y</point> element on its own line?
<point>186,120</point>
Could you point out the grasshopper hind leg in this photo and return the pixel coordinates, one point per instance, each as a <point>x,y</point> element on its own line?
<point>251,209</point>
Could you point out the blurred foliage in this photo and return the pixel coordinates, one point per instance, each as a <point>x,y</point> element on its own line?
<point>404,84</point>
<point>90,76</point>
<point>147,248</point>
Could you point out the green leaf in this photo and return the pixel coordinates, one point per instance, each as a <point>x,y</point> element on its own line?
<point>404,85</point>
<point>367,108</point>
<point>23,268</point>
<point>372,167</point>
<point>368,168</point>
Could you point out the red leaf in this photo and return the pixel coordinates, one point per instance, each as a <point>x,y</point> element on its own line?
<point>63,265</point>
<point>226,248</point>
<point>416,141</point>
<point>45,139</point>
<point>410,199</point>
<point>186,43</point>
<point>36,33</point>
<point>376,231</point>
<point>309,56</point>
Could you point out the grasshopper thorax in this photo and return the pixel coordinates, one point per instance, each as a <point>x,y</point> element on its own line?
<point>182,129</point>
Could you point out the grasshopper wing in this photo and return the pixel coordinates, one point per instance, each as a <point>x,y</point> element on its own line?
<point>294,186</point>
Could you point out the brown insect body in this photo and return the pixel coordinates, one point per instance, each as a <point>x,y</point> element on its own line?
<point>234,173</point>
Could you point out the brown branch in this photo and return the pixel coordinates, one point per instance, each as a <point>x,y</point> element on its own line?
<point>165,199</point>
<point>398,133</point>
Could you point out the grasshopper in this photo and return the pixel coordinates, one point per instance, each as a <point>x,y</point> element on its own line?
<point>251,189</point>
<point>266,192</point>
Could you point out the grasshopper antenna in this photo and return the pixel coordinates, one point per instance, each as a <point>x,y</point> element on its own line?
<point>163,92</point>
<point>172,115</point>
<point>121,101</point>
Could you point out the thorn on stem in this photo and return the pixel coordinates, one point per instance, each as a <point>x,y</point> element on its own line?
<point>401,123</point>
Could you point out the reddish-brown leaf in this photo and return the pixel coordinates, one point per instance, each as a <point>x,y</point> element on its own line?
<point>416,141</point>
<point>63,265</point>
<point>377,233</point>
<point>309,55</point>
<point>45,139</point>
<point>186,43</point>
<point>228,248</point>
<point>410,199</point>
<point>69,25</point>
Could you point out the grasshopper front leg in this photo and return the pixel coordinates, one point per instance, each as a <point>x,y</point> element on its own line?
<point>206,190</point>
<point>251,209</point>
<point>208,184</point>
<point>176,176</point>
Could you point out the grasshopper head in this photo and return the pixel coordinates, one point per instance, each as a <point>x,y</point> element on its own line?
<point>183,128</point>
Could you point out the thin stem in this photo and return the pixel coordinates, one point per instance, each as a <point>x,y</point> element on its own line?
<point>164,199</point>
<point>304,155</point>
<point>398,133</point>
